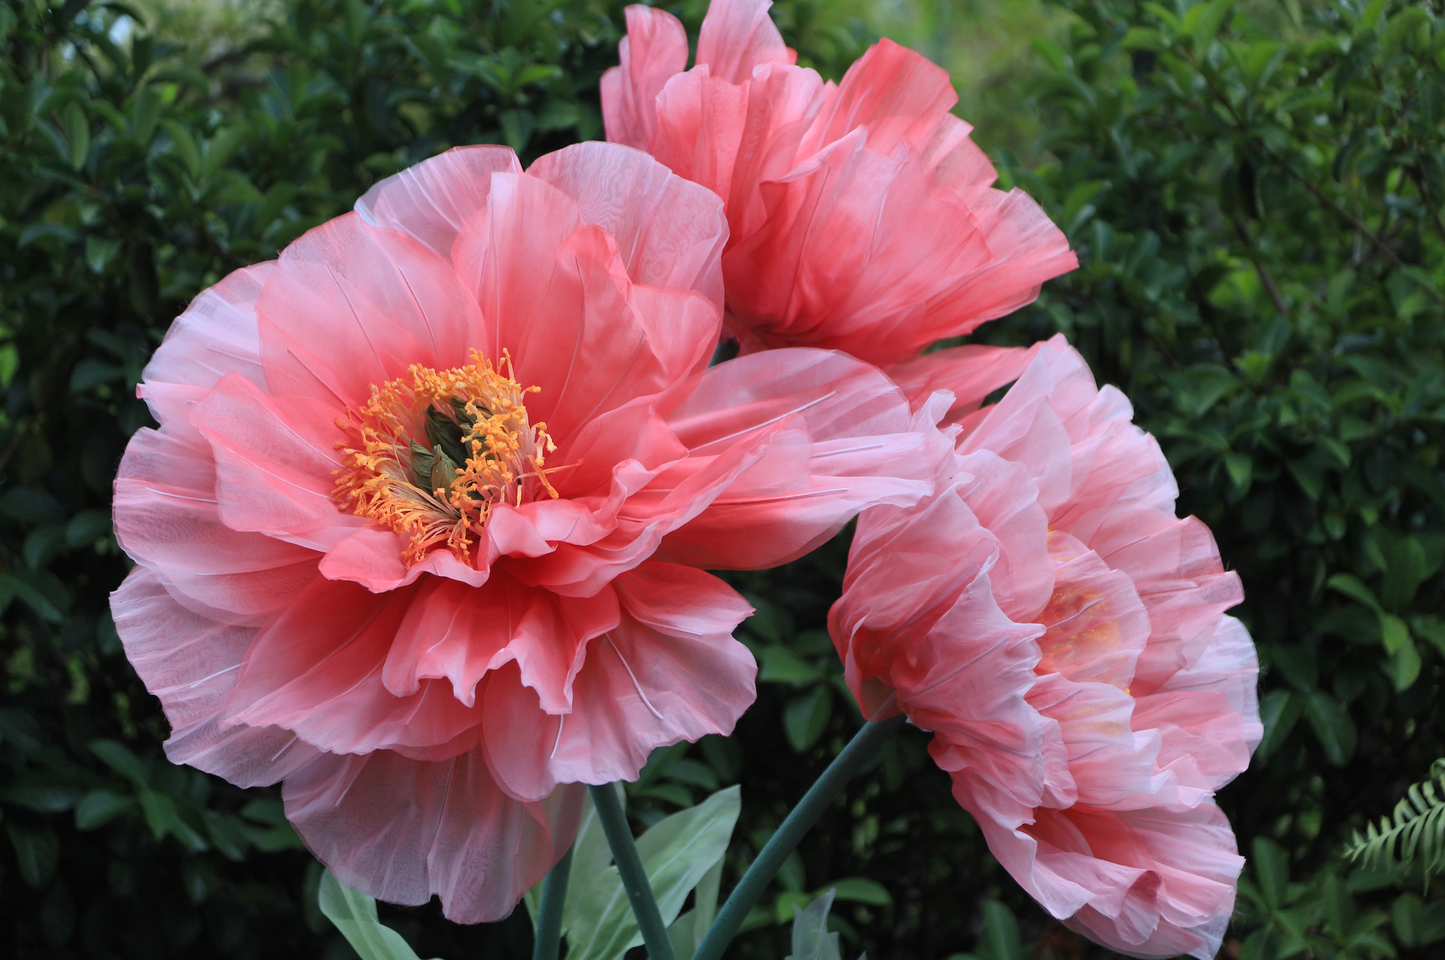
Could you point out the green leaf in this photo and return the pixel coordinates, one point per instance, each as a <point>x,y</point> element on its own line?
<point>183,145</point>
<point>1000,939</point>
<point>1332,726</point>
<point>861,890</point>
<point>37,851</point>
<point>99,807</point>
<point>1203,23</point>
<point>805,717</point>
<point>220,148</point>
<point>354,914</point>
<point>1352,587</point>
<point>118,757</point>
<point>677,853</point>
<point>811,939</point>
<point>77,133</point>
<point>687,931</point>
<point>1403,665</point>
<point>1271,872</point>
<point>13,586</point>
<point>782,665</point>
<point>1279,711</point>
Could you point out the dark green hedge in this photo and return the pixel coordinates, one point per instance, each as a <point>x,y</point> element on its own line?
<point>1256,194</point>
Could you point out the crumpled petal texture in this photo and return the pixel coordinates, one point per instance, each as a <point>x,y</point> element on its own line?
<point>433,717</point>
<point>862,216</point>
<point>1096,695</point>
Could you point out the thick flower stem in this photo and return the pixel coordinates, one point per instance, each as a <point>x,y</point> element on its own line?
<point>633,874</point>
<point>862,748</point>
<point>549,917</point>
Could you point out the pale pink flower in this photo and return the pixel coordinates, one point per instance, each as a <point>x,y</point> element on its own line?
<point>419,531</point>
<point>1062,634</point>
<point>863,217</point>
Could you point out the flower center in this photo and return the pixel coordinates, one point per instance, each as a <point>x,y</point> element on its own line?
<point>431,453</point>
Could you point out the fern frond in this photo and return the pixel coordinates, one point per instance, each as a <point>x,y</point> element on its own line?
<point>1416,831</point>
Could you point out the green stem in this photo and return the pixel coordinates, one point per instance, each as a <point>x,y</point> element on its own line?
<point>862,748</point>
<point>630,869</point>
<point>549,917</point>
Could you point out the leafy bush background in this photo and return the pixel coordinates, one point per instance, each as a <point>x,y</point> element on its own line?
<point>1256,193</point>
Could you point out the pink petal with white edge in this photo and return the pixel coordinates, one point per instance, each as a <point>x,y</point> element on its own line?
<point>191,663</point>
<point>431,201</point>
<point>216,335</point>
<point>350,306</point>
<point>275,460</point>
<point>969,372</point>
<point>166,517</point>
<point>864,449</point>
<point>654,49</point>
<point>1208,713</point>
<point>404,830</point>
<point>317,670</point>
<point>670,671</point>
<point>561,303</point>
<point>669,231</point>
<point>1005,502</point>
<point>737,36</point>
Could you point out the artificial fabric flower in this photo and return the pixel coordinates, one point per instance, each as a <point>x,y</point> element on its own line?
<point>1063,635</point>
<point>862,216</point>
<point>419,530</point>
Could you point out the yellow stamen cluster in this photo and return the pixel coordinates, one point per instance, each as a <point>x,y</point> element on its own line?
<point>430,454</point>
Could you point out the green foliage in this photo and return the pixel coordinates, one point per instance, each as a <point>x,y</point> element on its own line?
<point>1256,194</point>
<point>354,914</point>
<point>1417,831</point>
<point>679,852</point>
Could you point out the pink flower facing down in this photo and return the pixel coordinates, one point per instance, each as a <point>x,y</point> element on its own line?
<point>862,216</point>
<point>418,531</point>
<point>1062,635</point>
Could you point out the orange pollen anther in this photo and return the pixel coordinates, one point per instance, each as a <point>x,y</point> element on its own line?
<point>430,454</point>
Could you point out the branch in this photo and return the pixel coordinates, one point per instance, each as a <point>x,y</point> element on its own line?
<point>1264,275</point>
<point>1364,231</point>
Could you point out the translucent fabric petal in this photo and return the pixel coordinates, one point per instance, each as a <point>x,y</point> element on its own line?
<point>406,830</point>
<point>433,665</point>
<point>862,218</point>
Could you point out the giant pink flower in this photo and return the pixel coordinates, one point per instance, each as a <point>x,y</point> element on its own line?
<point>1063,635</point>
<point>419,529</point>
<point>862,216</point>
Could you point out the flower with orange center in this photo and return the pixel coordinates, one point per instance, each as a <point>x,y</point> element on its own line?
<point>423,529</point>
<point>433,452</point>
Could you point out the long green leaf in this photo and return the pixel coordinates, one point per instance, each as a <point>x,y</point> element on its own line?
<point>355,916</point>
<point>677,853</point>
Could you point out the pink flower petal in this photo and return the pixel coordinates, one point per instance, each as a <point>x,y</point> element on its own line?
<point>275,460</point>
<point>404,830</point>
<point>738,35</point>
<point>317,670</point>
<point>216,335</point>
<point>669,231</point>
<point>669,671</point>
<point>654,49</point>
<point>432,200</point>
<point>860,448</point>
<point>350,306</point>
<point>167,517</point>
<point>191,662</point>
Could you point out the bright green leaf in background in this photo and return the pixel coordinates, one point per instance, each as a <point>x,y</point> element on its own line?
<point>355,916</point>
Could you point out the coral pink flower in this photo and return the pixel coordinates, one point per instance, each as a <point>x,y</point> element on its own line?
<point>419,529</point>
<point>862,215</point>
<point>1062,634</point>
